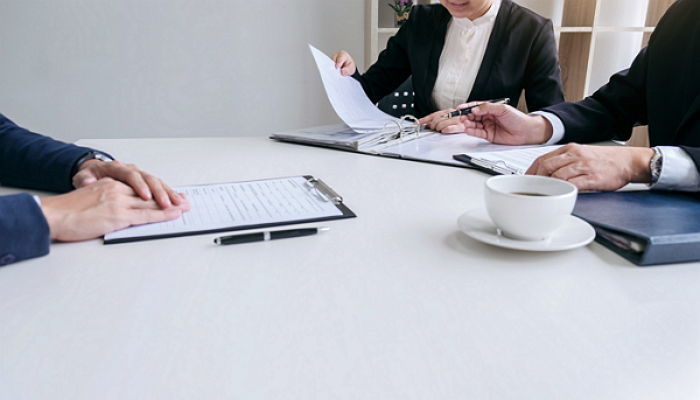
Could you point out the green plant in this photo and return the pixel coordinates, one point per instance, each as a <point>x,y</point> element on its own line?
<point>401,7</point>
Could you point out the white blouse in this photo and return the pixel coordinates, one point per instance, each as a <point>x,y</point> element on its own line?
<point>465,46</point>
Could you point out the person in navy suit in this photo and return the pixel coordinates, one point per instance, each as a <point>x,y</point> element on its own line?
<point>661,89</point>
<point>101,194</point>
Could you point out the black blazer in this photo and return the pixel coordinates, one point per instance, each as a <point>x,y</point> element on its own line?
<point>521,54</point>
<point>661,89</point>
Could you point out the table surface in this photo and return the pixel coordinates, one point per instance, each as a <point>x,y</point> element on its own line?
<point>394,304</point>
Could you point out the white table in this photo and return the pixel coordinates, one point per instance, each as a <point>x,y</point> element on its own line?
<point>394,304</point>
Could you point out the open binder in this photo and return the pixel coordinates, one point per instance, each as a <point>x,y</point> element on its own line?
<point>405,140</point>
<point>244,205</point>
<point>368,130</point>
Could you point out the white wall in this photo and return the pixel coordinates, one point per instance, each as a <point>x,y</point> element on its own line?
<point>165,68</point>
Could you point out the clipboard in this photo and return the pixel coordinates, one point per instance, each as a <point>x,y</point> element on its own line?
<point>515,160</point>
<point>220,210</point>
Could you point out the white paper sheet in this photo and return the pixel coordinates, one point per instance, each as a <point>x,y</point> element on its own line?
<point>348,98</point>
<point>441,148</point>
<point>517,160</point>
<point>230,205</point>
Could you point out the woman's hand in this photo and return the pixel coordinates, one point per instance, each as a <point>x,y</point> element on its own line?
<point>439,123</point>
<point>345,63</point>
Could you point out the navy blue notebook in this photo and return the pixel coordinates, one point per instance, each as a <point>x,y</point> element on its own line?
<point>645,227</point>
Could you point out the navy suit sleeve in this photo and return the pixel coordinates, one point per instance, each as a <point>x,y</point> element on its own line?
<point>612,111</point>
<point>24,232</point>
<point>542,84</point>
<point>34,161</point>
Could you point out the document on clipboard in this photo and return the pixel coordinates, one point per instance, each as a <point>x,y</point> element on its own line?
<point>244,205</point>
<point>514,161</point>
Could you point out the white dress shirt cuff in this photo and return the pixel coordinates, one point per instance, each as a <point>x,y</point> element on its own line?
<point>678,171</point>
<point>557,127</point>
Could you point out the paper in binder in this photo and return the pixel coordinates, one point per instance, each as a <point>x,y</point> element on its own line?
<point>369,130</point>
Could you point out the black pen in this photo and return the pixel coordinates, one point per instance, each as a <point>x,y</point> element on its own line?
<point>268,235</point>
<point>468,110</point>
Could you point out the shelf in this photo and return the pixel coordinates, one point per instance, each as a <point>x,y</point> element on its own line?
<point>391,31</point>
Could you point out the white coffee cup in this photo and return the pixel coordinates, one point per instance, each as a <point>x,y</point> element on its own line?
<point>528,207</point>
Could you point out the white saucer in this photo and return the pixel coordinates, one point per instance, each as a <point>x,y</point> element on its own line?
<point>574,233</point>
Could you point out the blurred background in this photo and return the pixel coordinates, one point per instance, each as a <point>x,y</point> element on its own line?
<point>171,68</point>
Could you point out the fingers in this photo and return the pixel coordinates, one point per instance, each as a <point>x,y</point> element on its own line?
<point>549,163</point>
<point>136,180</point>
<point>456,128</point>
<point>430,119</point>
<point>496,110</point>
<point>344,62</point>
<point>157,188</point>
<point>149,216</point>
<point>444,123</point>
<point>83,178</point>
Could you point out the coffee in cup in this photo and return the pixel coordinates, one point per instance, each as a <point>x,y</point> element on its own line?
<point>529,207</point>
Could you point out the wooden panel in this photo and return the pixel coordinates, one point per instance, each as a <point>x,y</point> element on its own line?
<point>656,10</point>
<point>579,12</point>
<point>574,50</point>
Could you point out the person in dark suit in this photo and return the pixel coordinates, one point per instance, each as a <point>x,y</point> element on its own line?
<point>110,195</point>
<point>661,89</point>
<point>463,51</point>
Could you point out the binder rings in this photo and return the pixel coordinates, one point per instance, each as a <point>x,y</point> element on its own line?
<point>645,227</point>
<point>245,205</point>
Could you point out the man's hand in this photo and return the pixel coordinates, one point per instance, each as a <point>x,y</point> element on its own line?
<point>437,122</point>
<point>101,207</point>
<point>145,185</point>
<point>503,124</point>
<point>600,168</point>
<point>345,63</point>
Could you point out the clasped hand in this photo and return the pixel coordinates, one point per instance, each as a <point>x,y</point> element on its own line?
<point>110,196</point>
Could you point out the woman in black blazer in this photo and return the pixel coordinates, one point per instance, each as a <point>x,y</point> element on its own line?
<point>435,45</point>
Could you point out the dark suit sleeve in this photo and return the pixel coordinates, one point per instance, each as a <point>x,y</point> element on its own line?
<point>612,111</point>
<point>24,232</point>
<point>542,84</point>
<point>34,161</point>
<point>694,153</point>
<point>392,68</point>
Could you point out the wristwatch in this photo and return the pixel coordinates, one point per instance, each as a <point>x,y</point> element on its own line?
<point>655,165</point>
<point>93,155</point>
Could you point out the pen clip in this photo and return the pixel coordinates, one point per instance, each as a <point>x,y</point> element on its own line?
<point>324,191</point>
